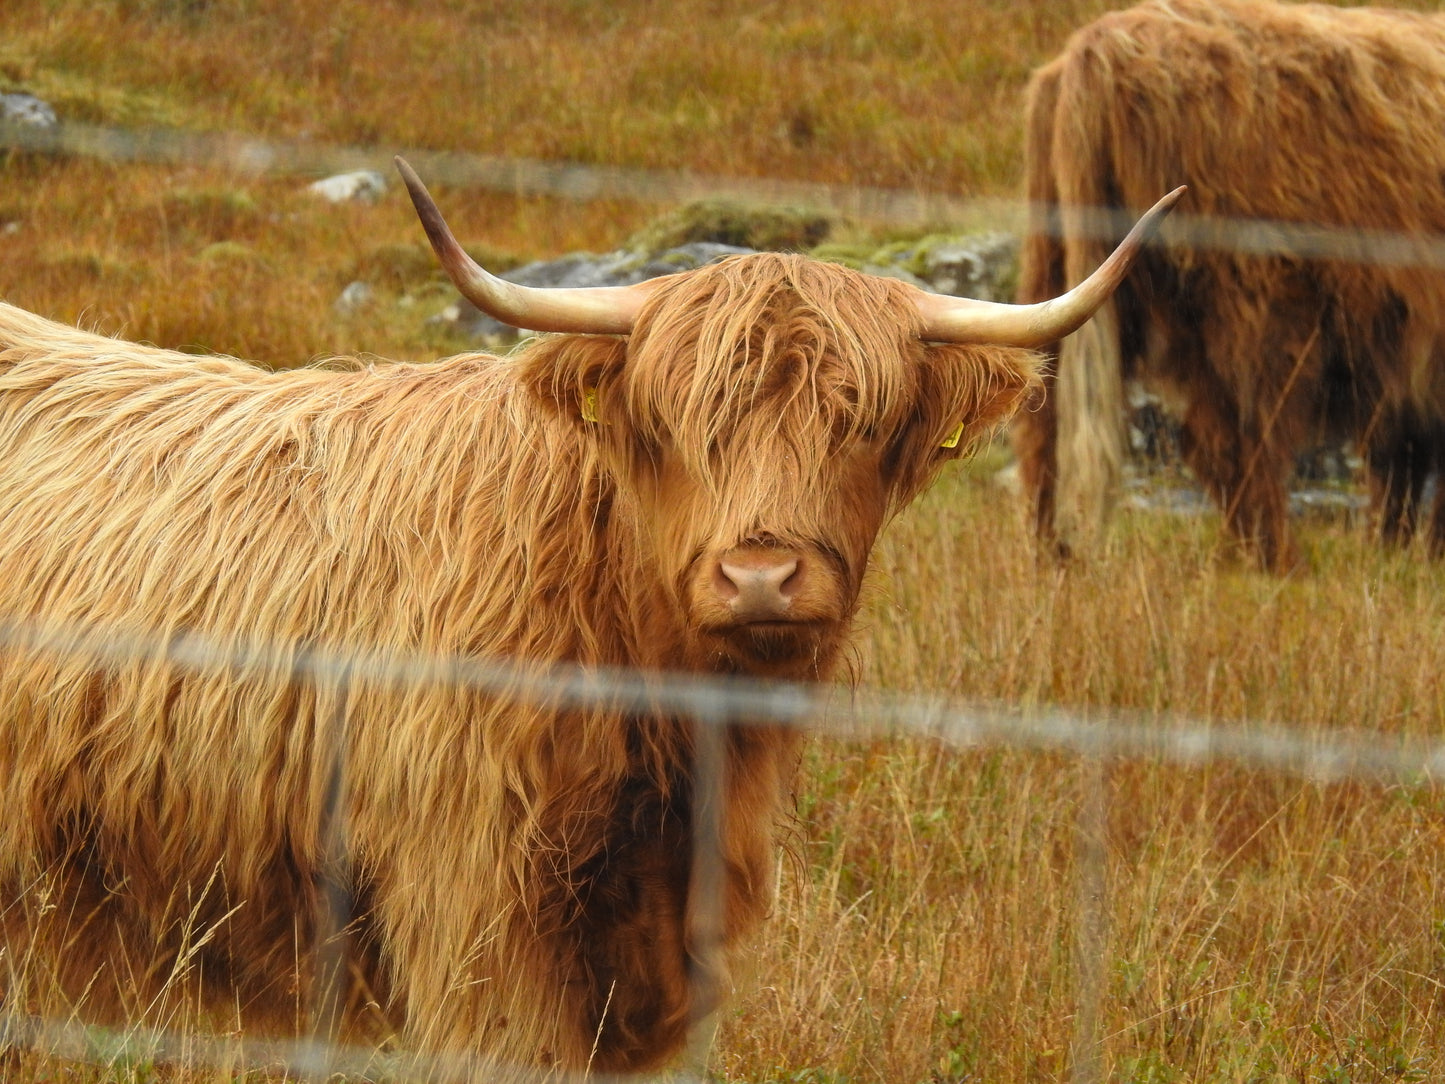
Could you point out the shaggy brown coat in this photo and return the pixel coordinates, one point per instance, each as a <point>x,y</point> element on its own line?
<point>521,875</point>
<point>1303,114</point>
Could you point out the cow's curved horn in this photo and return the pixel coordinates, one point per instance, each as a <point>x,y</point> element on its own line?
<point>964,320</point>
<point>600,310</point>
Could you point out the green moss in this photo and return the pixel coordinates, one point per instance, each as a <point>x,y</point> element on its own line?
<point>727,223</point>
<point>92,268</point>
<point>399,267</point>
<point>231,253</point>
<point>495,260</point>
<point>849,254</point>
<point>1008,282</point>
<point>78,98</point>
<point>218,213</point>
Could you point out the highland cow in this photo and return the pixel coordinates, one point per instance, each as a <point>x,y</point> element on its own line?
<point>1302,116</point>
<point>689,479</point>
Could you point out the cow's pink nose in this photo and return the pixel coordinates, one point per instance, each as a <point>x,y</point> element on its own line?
<point>758,586</point>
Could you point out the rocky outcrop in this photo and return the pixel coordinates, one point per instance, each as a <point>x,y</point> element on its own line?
<point>27,111</point>
<point>622,268</point>
<point>981,265</point>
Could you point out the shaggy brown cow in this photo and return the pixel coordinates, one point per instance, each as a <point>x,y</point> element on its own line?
<point>1301,114</point>
<point>521,872</point>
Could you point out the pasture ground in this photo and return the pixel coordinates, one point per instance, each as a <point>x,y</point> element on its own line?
<point>1258,928</point>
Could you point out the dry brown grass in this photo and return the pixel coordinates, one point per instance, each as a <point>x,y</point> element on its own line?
<point>196,260</point>
<point>921,96</point>
<point>1259,928</point>
<point>866,91</point>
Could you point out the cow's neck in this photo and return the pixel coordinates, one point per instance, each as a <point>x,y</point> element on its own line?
<point>653,635</point>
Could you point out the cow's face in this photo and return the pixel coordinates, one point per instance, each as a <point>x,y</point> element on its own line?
<point>764,417</point>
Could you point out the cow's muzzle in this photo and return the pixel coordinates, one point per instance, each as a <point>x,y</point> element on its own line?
<point>770,608</point>
<point>759,584</point>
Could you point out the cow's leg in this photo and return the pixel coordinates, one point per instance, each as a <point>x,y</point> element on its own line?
<point>1399,463</point>
<point>1436,539</point>
<point>78,934</point>
<point>1041,277</point>
<point>1259,510</point>
<point>1434,463</point>
<point>629,935</point>
<point>1246,476</point>
<point>68,943</point>
<point>655,931</point>
<point>564,939</point>
<point>1035,442</point>
<point>467,926</point>
<point>588,968</point>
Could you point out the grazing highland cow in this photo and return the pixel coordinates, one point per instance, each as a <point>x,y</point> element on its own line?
<point>695,486</point>
<point>1307,115</point>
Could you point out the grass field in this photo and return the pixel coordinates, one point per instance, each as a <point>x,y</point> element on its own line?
<point>1257,927</point>
<point>923,96</point>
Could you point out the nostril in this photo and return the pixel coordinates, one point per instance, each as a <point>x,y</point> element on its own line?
<point>793,582</point>
<point>725,586</point>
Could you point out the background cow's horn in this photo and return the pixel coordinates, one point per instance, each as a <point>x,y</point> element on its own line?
<point>602,310</point>
<point>963,320</point>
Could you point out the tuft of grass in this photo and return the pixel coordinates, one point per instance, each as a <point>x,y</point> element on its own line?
<point>403,267</point>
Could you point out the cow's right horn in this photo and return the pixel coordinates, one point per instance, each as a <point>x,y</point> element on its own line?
<point>599,310</point>
<point>964,320</point>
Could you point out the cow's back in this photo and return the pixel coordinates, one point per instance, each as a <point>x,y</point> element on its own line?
<point>1305,115</point>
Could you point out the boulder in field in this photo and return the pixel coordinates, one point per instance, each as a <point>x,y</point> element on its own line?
<point>361,185</point>
<point>27,111</point>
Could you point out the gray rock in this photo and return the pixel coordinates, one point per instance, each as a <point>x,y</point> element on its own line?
<point>897,271</point>
<point>981,266</point>
<point>1155,435</point>
<point>366,185</point>
<point>357,296</point>
<point>27,110</point>
<point>580,269</point>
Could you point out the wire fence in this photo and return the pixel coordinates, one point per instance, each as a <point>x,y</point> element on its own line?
<point>1318,755</point>
<point>249,156</point>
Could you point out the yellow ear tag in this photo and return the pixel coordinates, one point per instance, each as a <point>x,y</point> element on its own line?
<point>954,437</point>
<point>589,405</point>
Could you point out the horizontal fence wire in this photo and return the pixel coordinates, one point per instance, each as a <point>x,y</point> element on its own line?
<point>303,1059</point>
<point>1319,754</point>
<point>255,157</point>
<point>251,156</point>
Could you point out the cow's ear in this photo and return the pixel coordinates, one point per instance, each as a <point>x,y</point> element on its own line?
<point>573,374</point>
<point>969,391</point>
<point>964,393</point>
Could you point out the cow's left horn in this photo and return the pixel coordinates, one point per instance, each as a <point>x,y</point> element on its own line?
<point>964,320</point>
<point>600,310</point>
